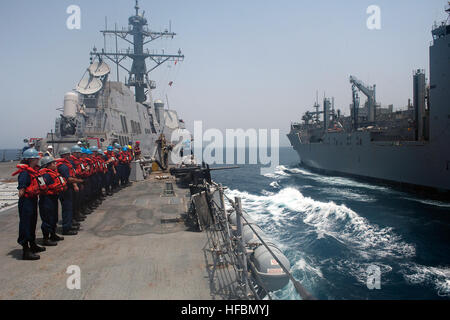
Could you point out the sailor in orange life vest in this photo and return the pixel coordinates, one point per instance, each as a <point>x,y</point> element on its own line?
<point>124,165</point>
<point>86,192</point>
<point>48,201</point>
<point>67,171</point>
<point>111,172</point>
<point>93,196</point>
<point>30,185</point>
<point>137,150</point>
<point>117,175</point>
<point>79,168</point>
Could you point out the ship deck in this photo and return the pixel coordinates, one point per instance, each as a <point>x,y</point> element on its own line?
<point>130,247</point>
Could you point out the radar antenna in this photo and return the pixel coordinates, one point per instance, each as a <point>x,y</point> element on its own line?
<point>138,75</point>
<point>447,9</point>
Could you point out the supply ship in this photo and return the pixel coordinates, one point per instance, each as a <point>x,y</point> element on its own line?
<point>410,148</point>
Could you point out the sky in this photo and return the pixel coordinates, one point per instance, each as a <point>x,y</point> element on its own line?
<point>249,64</point>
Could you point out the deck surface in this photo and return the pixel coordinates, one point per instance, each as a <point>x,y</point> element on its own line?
<point>124,251</point>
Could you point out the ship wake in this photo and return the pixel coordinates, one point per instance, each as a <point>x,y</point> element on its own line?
<point>288,208</point>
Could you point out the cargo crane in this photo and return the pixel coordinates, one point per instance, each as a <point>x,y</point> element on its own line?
<point>369,92</point>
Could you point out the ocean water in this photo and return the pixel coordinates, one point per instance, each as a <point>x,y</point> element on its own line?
<point>9,154</point>
<point>332,229</point>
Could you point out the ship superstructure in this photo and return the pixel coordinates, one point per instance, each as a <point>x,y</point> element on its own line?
<point>410,147</point>
<point>101,111</point>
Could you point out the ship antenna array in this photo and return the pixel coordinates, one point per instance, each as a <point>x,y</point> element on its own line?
<point>448,11</point>
<point>138,74</point>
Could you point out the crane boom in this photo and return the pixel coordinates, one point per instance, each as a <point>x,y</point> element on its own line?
<point>370,93</point>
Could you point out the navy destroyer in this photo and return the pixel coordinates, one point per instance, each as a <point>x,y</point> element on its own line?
<point>101,111</point>
<point>144,242</point>
<point>408,147</point>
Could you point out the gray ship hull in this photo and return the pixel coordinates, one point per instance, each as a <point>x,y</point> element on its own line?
<point>410,163</point>
<point>411,152</point>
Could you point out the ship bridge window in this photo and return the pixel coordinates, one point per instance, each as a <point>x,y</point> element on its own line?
<point>124,124</point>
<point>123,140</point>
<point>136,127</point>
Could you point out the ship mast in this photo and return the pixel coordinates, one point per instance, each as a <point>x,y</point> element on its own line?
<point>138,75</point>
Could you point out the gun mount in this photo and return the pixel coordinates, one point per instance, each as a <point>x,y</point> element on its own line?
<point>195,174</point>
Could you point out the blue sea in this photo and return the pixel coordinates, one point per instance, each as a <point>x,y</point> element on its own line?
<point>9,154</point>
<point>332,229</point>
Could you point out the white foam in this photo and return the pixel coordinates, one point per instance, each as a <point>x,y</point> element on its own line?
<point>327,218</point>
<point>431,202</point>
<point>437,276</point>
<point>302,265</point>
<point>342,192</point>
<point>279,172</point>
<point>283,172</point>
<point>301,171</point>
<point>275,184</point>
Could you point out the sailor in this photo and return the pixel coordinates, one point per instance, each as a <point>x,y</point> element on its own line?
<point>86,192</point>
<point>131,152</point>
<point>49,152</point>
<point>30,185</point>
<point>78,166</point>
<point>123,164</point>
<point>103,171</point>
<point>66,170</point>
<point>94,196</point>
<point>111,171</point>
<point>137,150</point>
<point>98,163</point>
<point>130,159</point>
<point>126,173</point>
<point>118,173</point>
<point>30,145</point>
<point>48,201</point>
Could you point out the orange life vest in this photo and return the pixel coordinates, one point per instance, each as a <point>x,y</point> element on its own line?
<point>79,170</point>
<point>84,168</point>
<point>91,166</point>
<point>103,168</point>
<point>58,185</point>
<point>66,162</point>
<point>37,183</point>
<point>122,157</point>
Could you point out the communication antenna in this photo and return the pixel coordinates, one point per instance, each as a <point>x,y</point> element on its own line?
<point>447,9</point>
<point>89,85</point>
<point>168,106</point>
<point>139,32</point>
<point>99,69</point>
